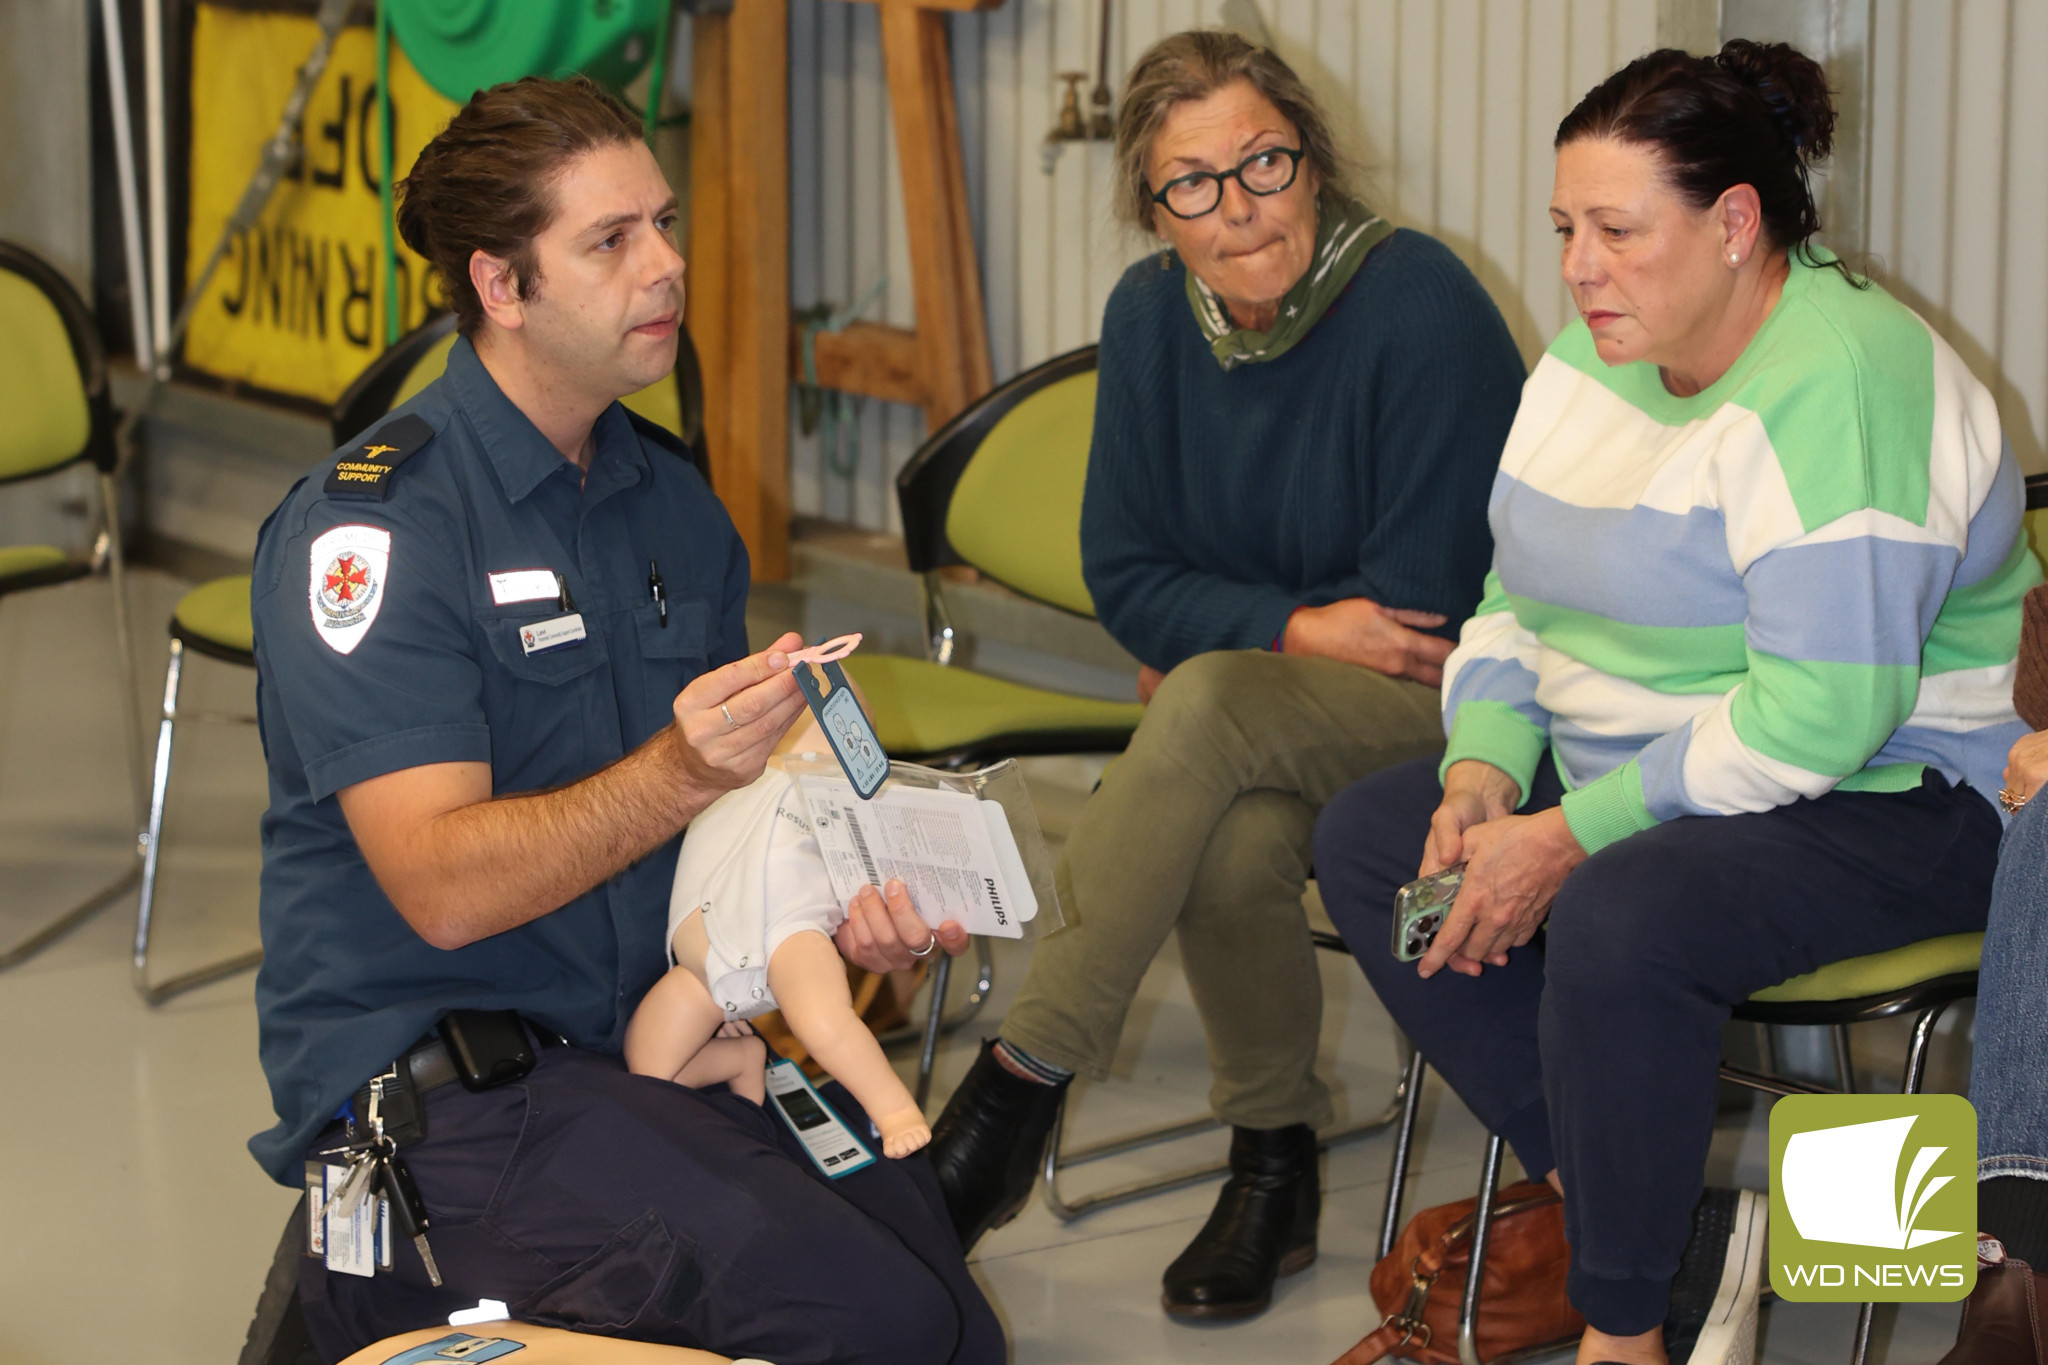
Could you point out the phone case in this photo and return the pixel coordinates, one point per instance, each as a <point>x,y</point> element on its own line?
<point>1419,910</point>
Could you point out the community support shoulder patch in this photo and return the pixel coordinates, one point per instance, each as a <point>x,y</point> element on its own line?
<point>364,473</point>
<point>350,566</point>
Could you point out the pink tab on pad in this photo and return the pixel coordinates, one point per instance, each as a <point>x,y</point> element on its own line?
<point>831,652</point>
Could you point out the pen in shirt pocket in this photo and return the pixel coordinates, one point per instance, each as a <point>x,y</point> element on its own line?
<point>654,590</point>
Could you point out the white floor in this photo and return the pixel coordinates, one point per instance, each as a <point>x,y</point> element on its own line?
<point>134,1226</point>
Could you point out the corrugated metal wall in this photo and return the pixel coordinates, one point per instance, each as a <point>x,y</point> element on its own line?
<point>1958,217</point>
<point>1451,104</point>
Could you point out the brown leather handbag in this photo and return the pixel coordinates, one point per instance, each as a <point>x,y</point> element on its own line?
<point>1522,1304</point>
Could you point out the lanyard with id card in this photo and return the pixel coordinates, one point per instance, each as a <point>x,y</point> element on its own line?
<point>834,1149</point>
<point>847,727</point>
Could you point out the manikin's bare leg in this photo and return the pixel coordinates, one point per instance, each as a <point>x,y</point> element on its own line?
<point>679,1032</point>
<point>808,978</point>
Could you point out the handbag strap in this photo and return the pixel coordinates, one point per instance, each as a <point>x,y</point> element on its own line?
<point>1405,1325</point>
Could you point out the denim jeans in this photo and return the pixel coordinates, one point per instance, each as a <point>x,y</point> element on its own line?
<point>2007,1080</point>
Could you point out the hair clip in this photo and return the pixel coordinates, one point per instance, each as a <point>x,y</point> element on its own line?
<point>830,652</point>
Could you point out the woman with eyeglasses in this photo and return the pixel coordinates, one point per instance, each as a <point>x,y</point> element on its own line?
<point>1299,417</point>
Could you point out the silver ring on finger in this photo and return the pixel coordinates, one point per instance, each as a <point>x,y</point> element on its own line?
<point>726,711</point>
<point>926,951</point>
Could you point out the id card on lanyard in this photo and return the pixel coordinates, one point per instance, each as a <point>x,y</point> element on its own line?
<point>834,1149</point>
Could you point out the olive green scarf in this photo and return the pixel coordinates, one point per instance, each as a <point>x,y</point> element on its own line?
<point>1344,233</point>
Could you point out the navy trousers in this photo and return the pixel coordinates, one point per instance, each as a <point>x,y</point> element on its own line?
<point>590,1198</point>
<point>1595,1051</point>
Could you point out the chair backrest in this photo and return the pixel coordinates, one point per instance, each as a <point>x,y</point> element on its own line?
<point>675,404</point>
<point>999,486</point>
<point>53,376</point>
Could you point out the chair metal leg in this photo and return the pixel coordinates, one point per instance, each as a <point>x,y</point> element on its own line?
<point>984,982</point>
<point>1845,1065</point>
<point>124,641</point>
<point>1475,1273</point>
<point>1864,1313</point>
<point>152,849</point>
<point>1404,1142</point>
<point>110,546</point>
<point>935,1019</point>
<point>1916,1056</point>
<point>1056,1160</point>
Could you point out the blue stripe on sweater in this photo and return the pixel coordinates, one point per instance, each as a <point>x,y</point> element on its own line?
<point>1635,565</point>
<point>1503,680</point>
<point>1996,524</point>
<point>1819,603</point>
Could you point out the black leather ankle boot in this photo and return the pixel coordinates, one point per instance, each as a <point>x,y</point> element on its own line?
<point>1263,1227</point>
<point>989,1143</point>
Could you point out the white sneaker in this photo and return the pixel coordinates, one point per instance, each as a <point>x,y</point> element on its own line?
<point>1714,1297</point>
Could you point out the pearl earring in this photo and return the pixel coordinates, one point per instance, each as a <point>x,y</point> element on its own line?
<point>1734,259</point>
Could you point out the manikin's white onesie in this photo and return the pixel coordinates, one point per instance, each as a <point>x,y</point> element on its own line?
<point>752,865</point>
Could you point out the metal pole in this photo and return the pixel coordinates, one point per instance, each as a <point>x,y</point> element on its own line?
<point>124,179</point>
<point>159,192</point>
<point>1404,1140</point>
<point>1475,1271</point>
<point>942,972</point>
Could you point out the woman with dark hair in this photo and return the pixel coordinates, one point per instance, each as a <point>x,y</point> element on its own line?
<point>1735,700</point>
<point>1300,411</point>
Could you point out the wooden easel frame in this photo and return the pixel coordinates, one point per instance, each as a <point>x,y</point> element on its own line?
<point>738,294</point>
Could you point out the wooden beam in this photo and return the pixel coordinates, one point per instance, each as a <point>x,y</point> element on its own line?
<point>951,331</point>
<point>738,305</point>
<point>867,358</point>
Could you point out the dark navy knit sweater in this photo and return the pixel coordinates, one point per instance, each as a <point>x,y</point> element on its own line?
<point>1356,465</point>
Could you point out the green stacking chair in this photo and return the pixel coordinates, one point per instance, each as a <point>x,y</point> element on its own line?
<point>213,619</point>
<point>998,488</point>
<point>1921,979</point>
<point>53,391</point>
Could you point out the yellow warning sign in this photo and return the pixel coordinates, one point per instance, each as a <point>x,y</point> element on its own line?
<point>297,305</point>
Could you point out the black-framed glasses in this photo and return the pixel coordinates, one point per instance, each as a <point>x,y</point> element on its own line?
<point>1199,192</point>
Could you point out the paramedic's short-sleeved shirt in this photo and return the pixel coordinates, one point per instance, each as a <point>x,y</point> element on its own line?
<point>389,635</point>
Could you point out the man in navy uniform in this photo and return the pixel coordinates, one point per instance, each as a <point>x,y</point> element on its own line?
<point>501,663</point>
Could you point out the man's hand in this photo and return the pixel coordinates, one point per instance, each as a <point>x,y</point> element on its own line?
<point>882,927</point>
<point>761,696</point>
<point>1387,640</point>
<point>2026,767</point>
<point>1474,792</point>
<point>1149,679</point>
<point>1514,867</point>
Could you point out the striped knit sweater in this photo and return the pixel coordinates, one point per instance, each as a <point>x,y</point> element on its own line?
<point>1806,577</point>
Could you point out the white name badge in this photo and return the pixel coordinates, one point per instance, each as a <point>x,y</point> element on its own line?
<point>524,585</point>
<point>543,636</point>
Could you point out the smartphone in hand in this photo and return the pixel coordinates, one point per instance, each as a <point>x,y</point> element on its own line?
<point>1419,910</point>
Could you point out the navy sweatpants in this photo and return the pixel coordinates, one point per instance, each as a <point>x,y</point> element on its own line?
<point>590,1198</point>
<point>1595,1051</point>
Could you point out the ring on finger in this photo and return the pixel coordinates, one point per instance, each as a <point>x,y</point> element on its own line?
<point>2011,800</point>
<point>726,711</point>
<point>926,951</point>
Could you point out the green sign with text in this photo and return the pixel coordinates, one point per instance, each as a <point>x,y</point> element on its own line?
<point>1873,1198</point>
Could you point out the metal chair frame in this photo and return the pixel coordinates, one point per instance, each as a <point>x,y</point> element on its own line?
<point>1927,1000</point>
<point>152,839</point>
<point>924,490</point>
<point>102,450</point>
<point>1056,1160</point>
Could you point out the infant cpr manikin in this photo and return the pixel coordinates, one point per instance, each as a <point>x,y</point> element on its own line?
<point>751,919</point>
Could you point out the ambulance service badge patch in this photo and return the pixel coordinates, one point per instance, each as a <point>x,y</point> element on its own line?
<point>350,566</point>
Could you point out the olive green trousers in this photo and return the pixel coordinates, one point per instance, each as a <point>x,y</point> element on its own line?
<point>1204,827</point>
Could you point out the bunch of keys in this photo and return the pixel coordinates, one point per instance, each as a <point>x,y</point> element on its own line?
<point>375,1168</point>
